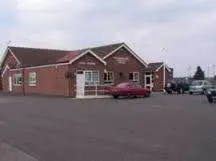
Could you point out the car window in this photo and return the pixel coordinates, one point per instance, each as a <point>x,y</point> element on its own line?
<point>133,85</point>
<point>197,83</point>
<point>214,86</point>
<point>207,83</point>
<point>123,85</point>
<point>138,86</point>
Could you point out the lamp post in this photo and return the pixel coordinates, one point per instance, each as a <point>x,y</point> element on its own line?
<point>214,66</point>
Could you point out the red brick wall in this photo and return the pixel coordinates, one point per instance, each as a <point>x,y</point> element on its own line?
<point>50,80</point>
<point>12,63</point>
<point>5,82</point>
<point>10,60</point>
<point>167,75</point>
<point>159,82</point>
<point>0,82</point>
<point>133,65</point>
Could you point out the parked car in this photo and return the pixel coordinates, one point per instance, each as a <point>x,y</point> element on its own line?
<point>128,89</point>
<point>179,87</point>
<point>211,94</point>
<point>199,87</point>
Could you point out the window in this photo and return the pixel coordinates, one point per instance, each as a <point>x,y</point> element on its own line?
<point>17,79</point>
<point>91,77</point>
<point>109,77</point>
<point>148,80</point>
<point>134,76</point>
<point>32,79</point>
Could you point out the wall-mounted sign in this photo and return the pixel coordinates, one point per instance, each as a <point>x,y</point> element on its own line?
<point>121,60</point>
<point>87,63</point>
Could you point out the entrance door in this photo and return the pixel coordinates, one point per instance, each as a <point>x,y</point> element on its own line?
<point>148,82</point>
<point>80,84</point>
<point>10,84</point>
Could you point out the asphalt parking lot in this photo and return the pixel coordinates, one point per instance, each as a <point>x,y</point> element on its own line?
<point>160,128</point>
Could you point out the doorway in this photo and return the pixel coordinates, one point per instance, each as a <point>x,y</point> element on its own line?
<point>80,84</point>
<point>148,81</point>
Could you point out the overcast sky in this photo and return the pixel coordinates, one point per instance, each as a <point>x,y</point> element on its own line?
<point>179,32</point>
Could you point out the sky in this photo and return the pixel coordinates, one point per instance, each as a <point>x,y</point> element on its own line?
<point>179,32</point>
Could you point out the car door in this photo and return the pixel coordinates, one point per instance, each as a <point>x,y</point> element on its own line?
<point>137,90</point>
<point>205,85</point>
<point>128,89</point>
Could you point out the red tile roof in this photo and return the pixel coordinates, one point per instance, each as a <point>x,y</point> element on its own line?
<point>34,57</point>
<point>154,66</point>
<point>30,57</point>
<point>69,56</point>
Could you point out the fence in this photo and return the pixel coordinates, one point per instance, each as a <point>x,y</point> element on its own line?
<point>95,90</point>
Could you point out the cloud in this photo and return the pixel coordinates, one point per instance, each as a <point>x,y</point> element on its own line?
<point>179,32</point>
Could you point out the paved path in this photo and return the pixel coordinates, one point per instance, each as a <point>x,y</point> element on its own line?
<point>159,128</point>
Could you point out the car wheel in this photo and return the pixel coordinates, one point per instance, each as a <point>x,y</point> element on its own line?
<point>170,92</point>
<point>204,92</point>
<point>147,94</point>
<point>115,96</point>
<point>191,93</point>
<point>210,100</point>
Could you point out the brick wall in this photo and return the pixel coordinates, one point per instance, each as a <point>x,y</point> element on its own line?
<point>159,82</point>
<point>87,62</point>
<point>0,82</point>
<point>50,80</point>
<point>132,65</point>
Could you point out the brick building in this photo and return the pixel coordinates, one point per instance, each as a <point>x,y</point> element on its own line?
<point>70,73</point>
<point>157,75</point>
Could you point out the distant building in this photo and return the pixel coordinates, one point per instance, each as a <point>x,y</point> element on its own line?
<point>160,73</point>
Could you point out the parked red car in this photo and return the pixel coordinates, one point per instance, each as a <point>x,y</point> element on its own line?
<point>128,89</point>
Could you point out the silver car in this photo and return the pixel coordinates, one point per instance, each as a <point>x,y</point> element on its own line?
<point>199,87</point>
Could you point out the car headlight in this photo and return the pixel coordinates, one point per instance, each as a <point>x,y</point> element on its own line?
<point>208,92</point>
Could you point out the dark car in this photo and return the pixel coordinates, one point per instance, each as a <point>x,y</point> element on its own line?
<point>128,89</point>
<point>179,87</point>
<point>211,94</point>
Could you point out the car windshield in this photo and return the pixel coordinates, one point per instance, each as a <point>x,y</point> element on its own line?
<point>122,85</point>
<point>197,83</point>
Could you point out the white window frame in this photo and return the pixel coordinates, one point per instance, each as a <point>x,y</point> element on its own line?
<point>134,80</point>
<point>15,83</point>
<point>92,83</point>
<point>32,82</point>
<point>106,80</point>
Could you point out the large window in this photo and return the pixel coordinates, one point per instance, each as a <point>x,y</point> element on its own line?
<point>108,77</point>
<point>17,79</point>
<point>134,76</point>
<point>32,80</point>
<point>91,77</point>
